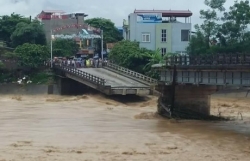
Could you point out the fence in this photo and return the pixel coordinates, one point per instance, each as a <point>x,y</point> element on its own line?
<point>215,59</point>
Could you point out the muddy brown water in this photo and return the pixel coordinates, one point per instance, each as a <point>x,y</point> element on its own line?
<point>93,127</point>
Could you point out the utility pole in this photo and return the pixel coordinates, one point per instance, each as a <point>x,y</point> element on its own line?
<point>102,43</point>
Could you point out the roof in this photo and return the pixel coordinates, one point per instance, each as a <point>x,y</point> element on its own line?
<point>168,13</point>
<point>53,11</point>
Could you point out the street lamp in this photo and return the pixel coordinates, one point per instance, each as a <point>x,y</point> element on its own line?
<point>51,49</point>
<point>102,43</point>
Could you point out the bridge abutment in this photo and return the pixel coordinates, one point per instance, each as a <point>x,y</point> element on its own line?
<point>188,98</point>
<point>69,86</point>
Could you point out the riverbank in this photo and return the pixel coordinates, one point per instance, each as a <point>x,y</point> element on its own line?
<point>94,127</point>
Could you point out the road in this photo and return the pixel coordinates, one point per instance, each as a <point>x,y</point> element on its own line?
<point>113,79</point>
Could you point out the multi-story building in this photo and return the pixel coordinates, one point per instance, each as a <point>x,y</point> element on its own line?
<point>159,29</point>
<point>57,23</point>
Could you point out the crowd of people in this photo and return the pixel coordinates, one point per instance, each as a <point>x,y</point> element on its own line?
<point>79,62</point>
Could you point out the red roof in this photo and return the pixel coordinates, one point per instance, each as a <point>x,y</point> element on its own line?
<point>168,13</point>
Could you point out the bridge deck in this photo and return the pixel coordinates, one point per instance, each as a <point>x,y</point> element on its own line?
<point>113,79</point>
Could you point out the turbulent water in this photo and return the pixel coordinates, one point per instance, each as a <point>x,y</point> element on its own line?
<point>93,127</point>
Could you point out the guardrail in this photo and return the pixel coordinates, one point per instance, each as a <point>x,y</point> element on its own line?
<point>82,74</point>
<point>214,59</point>
<point>130,72</point>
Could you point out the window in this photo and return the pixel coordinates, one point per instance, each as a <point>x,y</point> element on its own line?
<point>163,51</point>
<point>163,35</point>
<point>145,37</point>
<point>184,35</point>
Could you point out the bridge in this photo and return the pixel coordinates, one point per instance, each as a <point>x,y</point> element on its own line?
<point>219,69</point>
<point>110,79</point>
<point>186,82</point>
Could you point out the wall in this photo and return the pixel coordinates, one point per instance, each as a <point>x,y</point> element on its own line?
<point>158,35</point>
<point>30,89</point>
<point>177,44</point>
<point>136,30</point>
<point>132,27</point>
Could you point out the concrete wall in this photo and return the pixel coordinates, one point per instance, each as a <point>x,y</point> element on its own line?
<point>177,44</point>
<point>30,89</point>
<point>190,97</point>
<point>132,27</point>
<point>137,29</point>
<point>158,35</point>
<point>65,86</point>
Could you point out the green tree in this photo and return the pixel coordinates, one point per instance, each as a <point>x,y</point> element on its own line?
<point>32,33</point>
<point>1,65</point>
<point>31,55</point>
<point>208,30</point>
<point>110,32</point>
<point>8,26</point>
<point>236,22</point>
<point>197,44</point>
<point>65,47</point>
<point>129,55</point>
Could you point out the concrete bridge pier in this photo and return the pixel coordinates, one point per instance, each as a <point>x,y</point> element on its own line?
<point>189,98</point>
<point>69,86</point>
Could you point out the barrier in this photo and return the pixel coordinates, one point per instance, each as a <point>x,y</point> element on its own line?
<point>130,73</point>
<point>82,74</point>
<point>214,59</point>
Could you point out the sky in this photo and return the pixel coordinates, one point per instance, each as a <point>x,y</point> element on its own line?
<point>116,10</point>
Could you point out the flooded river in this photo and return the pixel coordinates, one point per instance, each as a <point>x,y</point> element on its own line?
<point>92,127</point>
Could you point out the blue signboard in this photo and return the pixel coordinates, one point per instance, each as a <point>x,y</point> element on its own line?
<point>149,18</point>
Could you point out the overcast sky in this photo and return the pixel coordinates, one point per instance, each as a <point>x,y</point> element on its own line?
<point>116,10</point>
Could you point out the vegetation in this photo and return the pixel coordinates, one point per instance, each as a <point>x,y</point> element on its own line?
<point>110,32</point>
<point>31,55</point>
<point>64,47</point>
<point>32,33</point>
<point>8,26</point>
<point>129,55</point>
<point>27,37</point>
<point>224,34</point>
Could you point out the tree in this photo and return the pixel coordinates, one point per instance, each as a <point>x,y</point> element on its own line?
<point>129,55</point>
<point>8,26</point>
<point>32,33</point>
<point>1,65</point>
<point>65,47</point>
<point>197,44</point>
<point>110,32</point>
<point>230,36</point>
<point>236,22</point>
<point>31,55</point>
<point>210,26</point>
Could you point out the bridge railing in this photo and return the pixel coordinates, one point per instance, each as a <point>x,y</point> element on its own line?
<point>214,59</point>
<point>130,73</point>
<point>82,74</point>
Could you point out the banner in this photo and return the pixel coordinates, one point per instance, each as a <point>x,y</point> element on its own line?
<point>149,18</point>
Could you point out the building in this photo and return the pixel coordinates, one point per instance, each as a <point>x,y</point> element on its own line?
<point>58,24</point>
<point>54,19</point>
<point>159,29</point>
